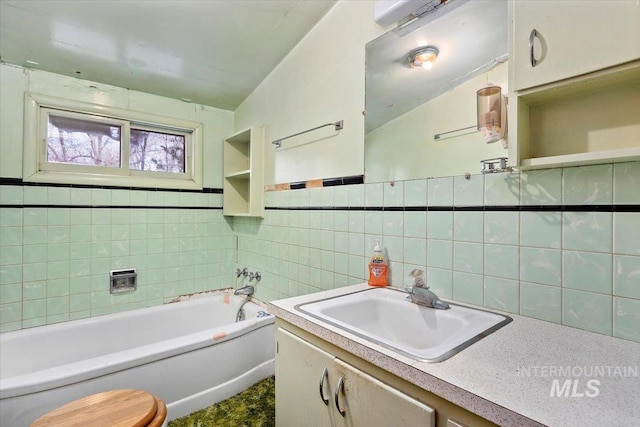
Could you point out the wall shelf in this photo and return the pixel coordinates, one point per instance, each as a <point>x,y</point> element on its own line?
<point>244,173</point>
<point>587,119</point>
<point>578,159</point>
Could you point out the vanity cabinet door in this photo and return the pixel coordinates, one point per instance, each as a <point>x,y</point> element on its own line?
<point>574,37</point>
<point>366,401</point>
<point>299,373</point>
<point>306,396</point>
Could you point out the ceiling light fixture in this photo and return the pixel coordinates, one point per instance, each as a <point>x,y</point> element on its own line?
<point>423,57</point>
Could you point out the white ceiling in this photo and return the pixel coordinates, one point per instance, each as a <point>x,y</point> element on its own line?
<point>471,36</point>
<point>212,52</point>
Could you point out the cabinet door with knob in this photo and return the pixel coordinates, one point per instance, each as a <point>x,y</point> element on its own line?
<point>555,40</point>
<point>363,400</point>
<point>303,385</point>
<point>314,388</point>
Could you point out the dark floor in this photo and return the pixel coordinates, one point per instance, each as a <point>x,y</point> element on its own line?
<point>254,407</point>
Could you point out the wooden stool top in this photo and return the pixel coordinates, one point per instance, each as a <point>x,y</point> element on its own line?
<point>116,408</point>
<point>161,414</point>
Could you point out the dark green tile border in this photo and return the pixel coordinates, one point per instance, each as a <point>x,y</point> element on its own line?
<point>20,182</point>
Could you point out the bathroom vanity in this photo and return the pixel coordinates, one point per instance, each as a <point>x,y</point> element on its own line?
<point>509,378</point>
<point>328,386</point>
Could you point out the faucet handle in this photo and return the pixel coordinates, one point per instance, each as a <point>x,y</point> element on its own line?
<point>255,275</point>
<point>242,272</point>
<point>417,277</point>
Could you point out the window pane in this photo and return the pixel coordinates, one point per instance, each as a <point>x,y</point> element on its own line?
<point>157,151</point>
<point>83,142</point>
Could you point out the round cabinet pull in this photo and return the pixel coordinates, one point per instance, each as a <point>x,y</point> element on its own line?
<point>532,53</point>
<point>325,373</point>
<point>339,388</point>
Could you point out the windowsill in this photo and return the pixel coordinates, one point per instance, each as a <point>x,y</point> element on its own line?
<point>112,180</point>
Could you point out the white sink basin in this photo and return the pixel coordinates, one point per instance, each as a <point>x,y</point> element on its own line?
<point>383,316</point>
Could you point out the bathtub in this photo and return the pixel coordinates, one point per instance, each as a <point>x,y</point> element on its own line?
<point>190,354</point>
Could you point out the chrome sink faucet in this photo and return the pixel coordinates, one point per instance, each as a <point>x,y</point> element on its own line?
<point>420,294</point>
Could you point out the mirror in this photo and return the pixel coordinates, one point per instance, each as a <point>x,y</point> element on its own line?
<point>406,107</point>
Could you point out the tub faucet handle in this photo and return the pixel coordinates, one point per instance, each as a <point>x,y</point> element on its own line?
<point>255,275</point>
<point>242,272</point>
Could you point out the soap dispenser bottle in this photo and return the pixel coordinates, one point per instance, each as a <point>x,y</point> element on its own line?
<point>378,267</point>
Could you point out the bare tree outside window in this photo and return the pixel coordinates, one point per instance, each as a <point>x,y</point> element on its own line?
<point>83,142</point>
<point>157,151</point>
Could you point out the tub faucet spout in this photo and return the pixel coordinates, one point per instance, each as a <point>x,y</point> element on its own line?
<point>245,290</point>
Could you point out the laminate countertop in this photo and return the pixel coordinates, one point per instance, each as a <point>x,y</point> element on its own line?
<point>514,376</point>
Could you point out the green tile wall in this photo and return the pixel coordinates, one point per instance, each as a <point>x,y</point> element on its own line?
<point>580,269</point>
<point>55,261</point>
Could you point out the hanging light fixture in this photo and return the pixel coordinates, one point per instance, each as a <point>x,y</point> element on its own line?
<point>423,57</point>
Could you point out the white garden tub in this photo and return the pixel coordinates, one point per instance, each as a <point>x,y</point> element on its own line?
<point>190,354</point>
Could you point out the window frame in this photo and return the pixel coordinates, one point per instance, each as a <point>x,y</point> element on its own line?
<point>36,168</point>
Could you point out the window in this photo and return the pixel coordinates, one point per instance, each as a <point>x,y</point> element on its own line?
<point>154,150</point>
<point>74,142</point>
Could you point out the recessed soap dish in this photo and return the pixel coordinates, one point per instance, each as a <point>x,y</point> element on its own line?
<point>124,280</point>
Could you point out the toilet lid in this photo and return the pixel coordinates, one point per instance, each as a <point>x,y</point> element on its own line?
<point>116,408</point>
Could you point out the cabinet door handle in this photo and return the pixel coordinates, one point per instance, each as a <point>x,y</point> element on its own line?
<point>325,373</point>
<point>532,53</point>
<point>336,396</point>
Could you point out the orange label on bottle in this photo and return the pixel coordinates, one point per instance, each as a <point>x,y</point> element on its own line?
<point>377,274</point>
